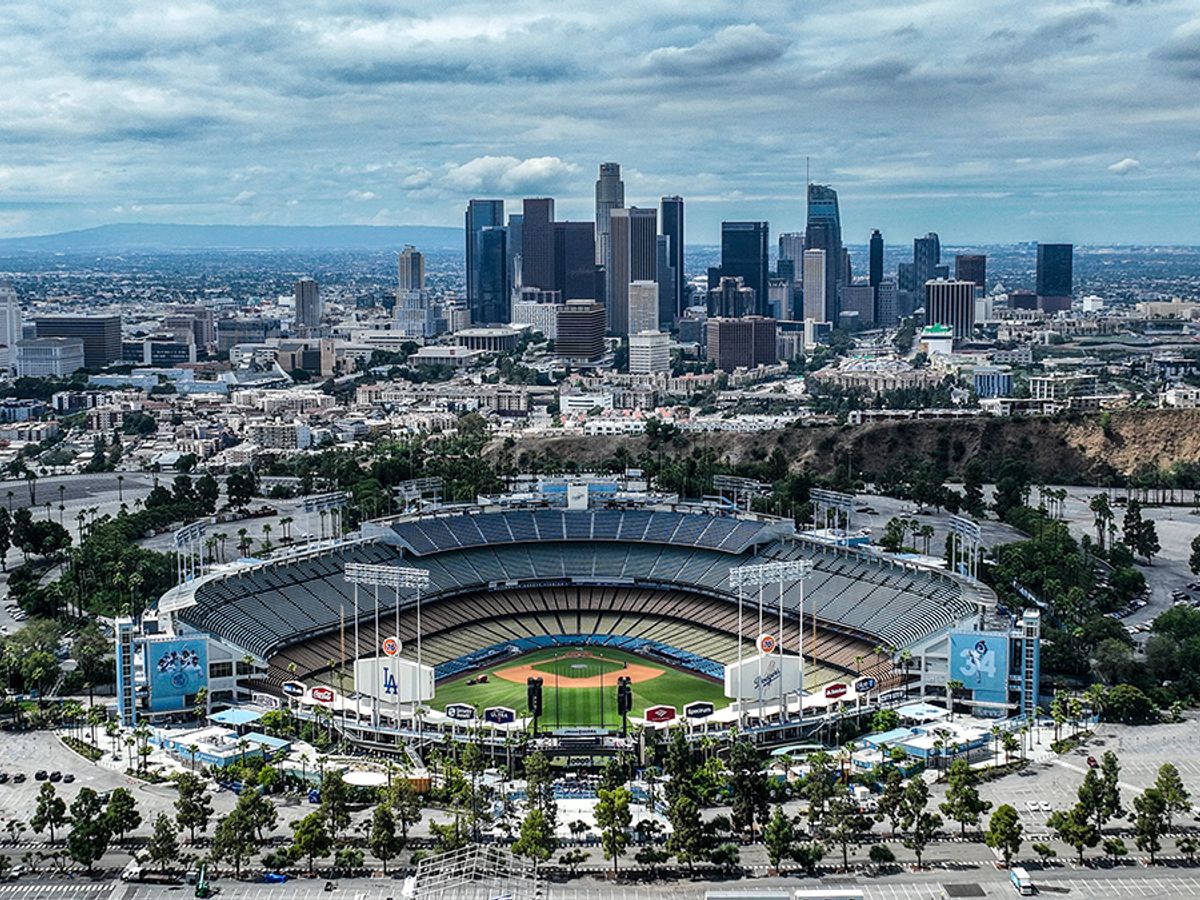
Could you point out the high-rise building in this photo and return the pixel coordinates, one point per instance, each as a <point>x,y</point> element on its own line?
<point>780,299</point>
<point>951,304</point>
<point>744,255</point>
<point>537,243</point>
<point>101,335</point>
<point>48,357</point>
<point>672,230</point>
<point>791,246</point>
<point>575,271</point>
<point>538,310</point>
<point>410,270</point>
<point>927,255</point>
<point>731,299</point>
<point>610,195</point>
<point>887,298</point>
<point>516,225</point>
<point>10,325</point>
<point>633,252</point>
<point>581,326</point>
<point>859,299</point>
<point>875,260</point>
<point>667,284</point>
<point>643,306</point>
<point>1055,276</point>
<point>307,294</point>
<point>742,343</point>
<point>480,214</point>
<point>816,303</point>
<point>649,353</point>
<point>971,267</point>
<point>257,330</point>
<point>824,232</point>
<point>492,283</point>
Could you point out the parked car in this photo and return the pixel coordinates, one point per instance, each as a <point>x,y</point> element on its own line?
<point>68,778</point>
<point>56,776</point>
<point>41,775</point>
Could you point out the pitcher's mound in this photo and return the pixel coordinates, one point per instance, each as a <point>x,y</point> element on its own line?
<point>634,671</point>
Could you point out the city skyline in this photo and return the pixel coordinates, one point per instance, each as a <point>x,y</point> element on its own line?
<point>991,123</point>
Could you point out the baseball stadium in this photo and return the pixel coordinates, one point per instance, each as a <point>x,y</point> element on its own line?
<point>493,597</point>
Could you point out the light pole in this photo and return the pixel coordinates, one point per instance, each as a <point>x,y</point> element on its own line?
<point>395,577</point>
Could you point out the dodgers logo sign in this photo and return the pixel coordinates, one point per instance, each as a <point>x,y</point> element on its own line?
<point>389,682</point>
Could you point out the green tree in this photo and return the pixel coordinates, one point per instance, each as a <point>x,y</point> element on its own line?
<point>311,838</point>
<point>1114,849</point>
<point>1175,796</point>
<point>689,839</point>
<point>1074,828</point>
<point>845,823</point>
<point>574,857</point>
<point>163,846</point>
<point>259,810</point>
<point>88,839</point>
<point>1194,559</point>
<point>748,783</point>
<point>1004,832</point>
<point>963,804</point>
<point>406,805</point>
<point>385,843</point>
<point>335,802</point>
<point>536,840</point>
<point>613,818</point>
<point>818,787</point>
<point>727,856</point>
<point>122,813</point>
<point>233,840</point>
<point>539,785</point>
<point>779,838</point>
<point>193,805</point>
<point>51,811</point>
<point>1149,821</point>
<point>890,804</point>
<point>1110,773</point>
<point>922,826</point>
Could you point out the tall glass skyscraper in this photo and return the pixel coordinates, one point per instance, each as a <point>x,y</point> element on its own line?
<point>824,232</point>
<point>1055,270</point>
<point>480,214</point>
<point>493,282</point>
<point>672,229</point>
<point>610,195</point>
<point>537,243</point>
<point>744,255</point>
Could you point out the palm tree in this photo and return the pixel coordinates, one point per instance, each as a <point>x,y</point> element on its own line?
<point>286,523</point>
<point>906,658</point>
<point>193,749</point>
<point>221,537</point>
<point>266,538</point>
<point>121,488</point>
<point>10,498</point>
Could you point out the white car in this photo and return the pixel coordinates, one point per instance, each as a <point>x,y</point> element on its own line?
<point>1046,807</point>
<point>1033,805</point>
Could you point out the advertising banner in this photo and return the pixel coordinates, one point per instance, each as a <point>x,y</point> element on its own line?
<point>388,678</point>
<point>980,661</point>
<point>175,670</point>
<point>659,715</point>
<point>499,715</point>
<point>759,677</point>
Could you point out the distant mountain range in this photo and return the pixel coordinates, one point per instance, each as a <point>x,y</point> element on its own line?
<point>144,236</point>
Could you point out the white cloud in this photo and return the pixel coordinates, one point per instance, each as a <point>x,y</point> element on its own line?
<point>1124,166</point>
<point>243,198</point>
<point>361,196</point>
<point>507,173</point>
<point>735,48</point>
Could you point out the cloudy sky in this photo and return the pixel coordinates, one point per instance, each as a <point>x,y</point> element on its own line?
<point>986,120</point>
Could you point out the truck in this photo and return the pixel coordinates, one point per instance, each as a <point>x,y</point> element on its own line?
<point>136,872</point>
<point>1021,881</point>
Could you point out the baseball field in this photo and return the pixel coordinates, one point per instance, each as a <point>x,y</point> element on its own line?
<point>579,686</point>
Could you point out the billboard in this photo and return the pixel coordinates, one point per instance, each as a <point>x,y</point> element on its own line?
<point>980,661</point>
<point>175,671</point>
<point>462,712</point>
<point>835,690</point>
<point>388,678</point>
<point>763,677</point>
<point>659,715</point>
<point>499,715</point>
<point>701,709</point>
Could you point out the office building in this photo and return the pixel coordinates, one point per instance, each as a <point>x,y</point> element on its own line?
<point>410,270</point>
<point>952,304</point>
<point>816,284</point>
<point>492,279</point>
<point>824,232</point>
<point>10,326</point>
<point>538,310</point>
<point>610,195</point>
<point>667,284</point>
<point>649,353</point>
<point>516,225</point>
<point>672,230</point>
<point>875,260</point>
<point>731,299</point>
<point>231,332</point>
<point>859,300</point>
<point>887,302</point>
<point>633,251</point>
<point>101,335</point>
<point>643,306</point>
<point>744,255</point>
<point>537,243</point>
<point>307,295</point>
<point>1055,277</point>
<point>972,267</point>
<point>49,357</point>
<point>581,327</point>
<point>927,256</point>
<point>198,319</point>
<point>481,214</point>
<point>780,300</point>
<point>742,343</point>
<point>791,246</point>
<point>992,381</point>
<point>575,271</point>
<point>1026,300</point>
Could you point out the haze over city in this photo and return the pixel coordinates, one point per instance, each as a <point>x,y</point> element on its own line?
<point>991,122</point>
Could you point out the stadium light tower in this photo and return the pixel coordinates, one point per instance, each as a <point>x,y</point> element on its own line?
<point>189,551</point>
<point>789,571</point>
<point>331,503</point>
<point>395,577</point>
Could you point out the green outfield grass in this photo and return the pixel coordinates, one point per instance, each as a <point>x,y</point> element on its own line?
<point>568,705</point>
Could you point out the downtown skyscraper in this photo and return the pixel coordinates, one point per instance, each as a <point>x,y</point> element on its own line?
<point>824,232</point>
<point>672,229</point>
<point>610,195</point>
<point>633,252</point>
<point>487,214</point>
<point>744,249</point>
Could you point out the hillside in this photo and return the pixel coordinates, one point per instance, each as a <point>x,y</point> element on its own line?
<point>1067,450</point>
